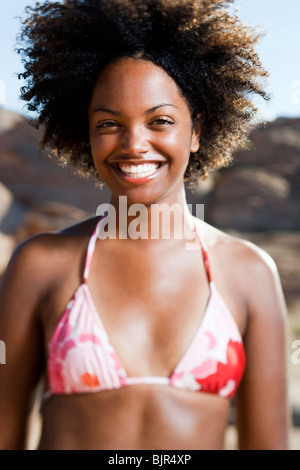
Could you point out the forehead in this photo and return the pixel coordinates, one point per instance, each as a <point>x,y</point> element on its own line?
<point>136,82</point>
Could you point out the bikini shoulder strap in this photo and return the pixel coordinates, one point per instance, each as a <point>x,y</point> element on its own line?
<point>91,249</point>
<point>204,251</point>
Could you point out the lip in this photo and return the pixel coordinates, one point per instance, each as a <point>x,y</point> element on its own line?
<point>137,180</point>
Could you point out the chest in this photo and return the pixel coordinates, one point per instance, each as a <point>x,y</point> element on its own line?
<point>150,305</point>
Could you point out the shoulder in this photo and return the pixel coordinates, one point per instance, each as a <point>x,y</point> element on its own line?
<point>252,271</point>
<point>45,256</point>
<point>241,253</point>
<point>54,243</point>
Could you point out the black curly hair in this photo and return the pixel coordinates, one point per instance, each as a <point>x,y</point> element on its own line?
<point>206,50</point>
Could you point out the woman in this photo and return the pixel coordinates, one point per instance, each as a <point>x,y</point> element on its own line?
<point>141,341</point>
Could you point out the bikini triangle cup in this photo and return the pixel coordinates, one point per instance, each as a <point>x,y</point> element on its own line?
<point>82,359</point>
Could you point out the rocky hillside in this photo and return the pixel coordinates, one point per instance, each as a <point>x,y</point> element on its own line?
<point>261,191</point>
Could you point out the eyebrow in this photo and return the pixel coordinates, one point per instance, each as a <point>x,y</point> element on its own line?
<point>116,113</point>
<point>149,111</point>
<point>106,110</point>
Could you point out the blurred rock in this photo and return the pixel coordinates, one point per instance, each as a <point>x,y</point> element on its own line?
<point>50,216</point>
<point>261,190</point>
<point>33,178</point>
<point>252,200</point>
<point>11,212</point>
<point>9,120</point>
<point>275,146</point>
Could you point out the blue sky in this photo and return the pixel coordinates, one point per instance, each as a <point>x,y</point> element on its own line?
<point>279,51</point>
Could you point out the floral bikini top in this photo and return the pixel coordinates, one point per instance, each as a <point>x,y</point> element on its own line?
<point>82,359</point>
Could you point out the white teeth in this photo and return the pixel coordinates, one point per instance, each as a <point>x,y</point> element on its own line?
<point>138,171</point>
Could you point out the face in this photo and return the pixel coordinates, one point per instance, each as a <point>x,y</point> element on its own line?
<point>141,132</point>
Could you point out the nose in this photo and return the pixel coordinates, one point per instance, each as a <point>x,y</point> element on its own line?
<point>135,141</point>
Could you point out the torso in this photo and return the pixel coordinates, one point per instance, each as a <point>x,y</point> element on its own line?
<point>137,417</point>
<point>151,299</point>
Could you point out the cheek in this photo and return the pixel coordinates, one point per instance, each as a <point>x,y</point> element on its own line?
<point>101,147</point>
<point>178,147</point>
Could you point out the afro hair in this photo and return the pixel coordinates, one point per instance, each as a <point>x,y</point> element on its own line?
<point>207,50</point>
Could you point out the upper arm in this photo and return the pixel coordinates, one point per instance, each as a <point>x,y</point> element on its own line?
<point>262,409</point>
<point>20,330</point>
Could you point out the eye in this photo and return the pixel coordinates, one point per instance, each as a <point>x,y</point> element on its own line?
<point>107,125</point>
<point>163,122</point>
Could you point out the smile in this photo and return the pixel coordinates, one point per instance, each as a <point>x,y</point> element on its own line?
<point>138,173</point>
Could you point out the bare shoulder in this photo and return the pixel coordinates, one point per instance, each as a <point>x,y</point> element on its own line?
<point>251,270</point>
<point>45,256</point>
<point>241,253</point>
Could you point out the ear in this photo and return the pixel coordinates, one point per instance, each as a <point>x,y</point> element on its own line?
<point>197,127</point>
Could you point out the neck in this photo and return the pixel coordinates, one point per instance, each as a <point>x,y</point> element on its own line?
<point>167,219</point>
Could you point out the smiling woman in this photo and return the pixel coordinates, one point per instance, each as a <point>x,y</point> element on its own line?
<point>146,95</point>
